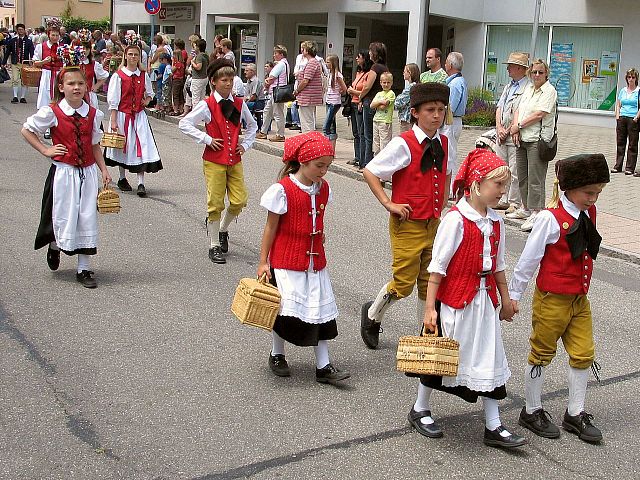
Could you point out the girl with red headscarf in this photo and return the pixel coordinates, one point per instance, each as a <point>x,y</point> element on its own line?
<point>292,255</point>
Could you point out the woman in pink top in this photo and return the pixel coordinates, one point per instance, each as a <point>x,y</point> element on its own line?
<point>309,91</point>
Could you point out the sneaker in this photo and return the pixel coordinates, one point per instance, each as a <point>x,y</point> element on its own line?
<point>216,256</point>
<point>85,277</point>
<point>369,330</point>
<point>494,438</point>
<point>224,241</point>
<point>53,258</point>
<point>431,430</point>
<point>14,100</point>
<point>261,136</point>
<point>277,138</point>
<point>23,100</point>
<point>527,226</point>
<point>511,209</point>
<point>279,366</point>
<point>123,185</point>
<point>141,192</point>
<point>581,425</point>
<point>502,206</point>
<point>295,127</point>
<point>539,422</point>
<point>519,214</point>
<point>330,374</point>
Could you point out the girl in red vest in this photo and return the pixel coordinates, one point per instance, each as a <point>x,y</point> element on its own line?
<point>564,242</point>
<point>129,93</point>
<point>69,215</point>
<point>46,56</point>
<point>292,255</point>
<point>95,74</point>
<point>466,281</point>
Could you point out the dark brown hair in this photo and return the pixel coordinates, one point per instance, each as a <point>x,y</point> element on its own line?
<point>289,167</point>
<point>57,94</point>
<point>379,51</point>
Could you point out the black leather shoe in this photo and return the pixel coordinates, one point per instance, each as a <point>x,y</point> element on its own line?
<point>279,366</point>
<point>224,241</point>
<point>493,438</point>
<point>85,277</point>
<point>432,430</point>
<point>123,185</point>
<point>53,258</point>
<point>14,100</point>
<point>330,374</point>
<point>369,330</point>
<point>539,422</point>
<point>23,100</point>
<point>216,256</point>
<point>581,425</point>
<point>141,192</point>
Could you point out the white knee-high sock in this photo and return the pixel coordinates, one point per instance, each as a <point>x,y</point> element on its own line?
<point>381,304</point>
<point>83,262</point>
<point>53,246</point>
<point>123,172</point>
<point>15,91</point>
<point>141,178</point>
<point>423,402</point>
<point>578,378</point>
<point>322,353</point>
<point>491,413</point>
<point>23,92</point>
<point>214,230</point>
<point>227,218</point>
<point>277,346</point>
<point>533,379</point>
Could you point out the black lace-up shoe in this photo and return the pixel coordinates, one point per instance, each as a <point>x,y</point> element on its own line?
<point>23,100</point>
<point>85,277</point>
<point>14,100</point>
<point>369,330</point>
<point>431,430</point>
<point>330,374</point>
<point>123,184</point>
<point>141,192</point>
<point>53,258</point>
<point>493,438</point>
<point>216,256</point>
<point>539,422</point>
<point>279,366</point>
<point>581,425</point>
<point>224,241</point>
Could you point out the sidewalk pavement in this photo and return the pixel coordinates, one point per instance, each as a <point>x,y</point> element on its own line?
<point>618,205</point>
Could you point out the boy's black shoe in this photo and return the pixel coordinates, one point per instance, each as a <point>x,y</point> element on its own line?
<point>85,277</point>
<point>142,192</point>
<point>539,422</point>
<point>224,241</point>
<point>493,438</point>
<point>431,430</point>
<point>369,330</point>
<point>23,100</point>
<point>216,256</point>
<point>581,425</point>
<point>123,185</point>
<point>14,100</point>
<point>279,366</point>
<point>330,374</point>
<point>53,258</point>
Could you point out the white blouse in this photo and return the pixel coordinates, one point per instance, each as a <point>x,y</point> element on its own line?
<point>115,86</point>
<point>45,118</point>
<point>275,199</point>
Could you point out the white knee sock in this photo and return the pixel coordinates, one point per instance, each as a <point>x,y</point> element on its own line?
<point>322,353</point>
<point>277,347</point>
<point>227,218</point>
<point>381,304</point>
<point>421,306</point>
<point>214,230</point>
<point>578,378</point>
<point>123,172</point>
<point>23,92</point>
<point>533,378</point>
<point>53,246</point>
<point>83,263</point>
<point>141,178</point>
<point>423,402</point>
<point>491,413</point>
<point>15,91</point>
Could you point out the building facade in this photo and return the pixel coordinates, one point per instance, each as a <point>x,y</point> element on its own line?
<point>34,12</point>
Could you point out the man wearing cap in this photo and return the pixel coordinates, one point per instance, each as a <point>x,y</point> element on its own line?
<point>517,65</point>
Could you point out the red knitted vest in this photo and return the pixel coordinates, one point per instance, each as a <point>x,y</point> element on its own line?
<point>220,127</point>
<point>65,133</point>
<point>462,282</point>
<point>559,272</point>
<point>131,92</point>
<point>56,63</point>
<point>295,241</point>
<point>89,73</point>
<point>424,192</point>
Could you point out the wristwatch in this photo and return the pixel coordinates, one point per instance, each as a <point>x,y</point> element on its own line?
<point>519,126</point>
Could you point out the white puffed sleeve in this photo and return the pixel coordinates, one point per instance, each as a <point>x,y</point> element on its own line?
<point>100,72</point>
<point>448,239</point>
<point>114,92</point>
<point>501,263</point>
<point>274,199</point>
<point>96,135</point>
<point>41,121</point>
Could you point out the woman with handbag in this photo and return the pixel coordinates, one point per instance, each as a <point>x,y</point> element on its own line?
<point>274,110</point>
<point>533,122</point>
<point>364,65</point>
<point>627,124</point>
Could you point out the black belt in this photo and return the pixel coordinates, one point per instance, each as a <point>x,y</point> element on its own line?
<point>485,273</point>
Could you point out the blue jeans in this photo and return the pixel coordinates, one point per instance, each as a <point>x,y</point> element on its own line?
<point>258,106</point>
<point>355,132</point>
<point>366,146</point>
<point>295,118</point>
<point>329,129</point>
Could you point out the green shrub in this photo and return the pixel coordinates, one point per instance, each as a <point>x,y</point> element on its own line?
<point>485,118</point>
<point>76,23</point>
<point>481,110</point>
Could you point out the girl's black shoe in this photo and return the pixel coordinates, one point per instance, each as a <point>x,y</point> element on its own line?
<point>53,258</point>
<point>279,366</point>
<point>330,374</point>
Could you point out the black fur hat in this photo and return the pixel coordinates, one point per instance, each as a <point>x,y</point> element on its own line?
<point>428,92</point>
<point>580,170</point>
<point>217,64</point>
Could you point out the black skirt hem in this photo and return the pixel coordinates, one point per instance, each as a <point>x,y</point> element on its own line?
<point>151,167</point>
<point>303,334</point>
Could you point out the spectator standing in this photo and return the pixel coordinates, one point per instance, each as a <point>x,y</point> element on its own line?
<point>457,103</point>
<point>411,74</point>
<point>335,88</point>
<point>309,93</point>
<point>227,51</point>
<point>254,92</point>
<point>279,75</point>
<point>382,120</point>
<point>627,125</point>
<point>100,43</point>
<point>65,38</point>
<point>177,80</point>
<point>435,72</point>
<point>357,123</point>
<point>19,49</point>
<point>199,65</point>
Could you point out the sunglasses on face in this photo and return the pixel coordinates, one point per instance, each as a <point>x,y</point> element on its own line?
<point>631,76</point>
<point>538,72</point>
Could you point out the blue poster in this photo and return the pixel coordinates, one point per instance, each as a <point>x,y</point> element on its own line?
<point>561,71</point>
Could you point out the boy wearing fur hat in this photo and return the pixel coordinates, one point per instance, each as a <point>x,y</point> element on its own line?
<point>222,115</point>
<point>564,242</point>
<point>416,162</point>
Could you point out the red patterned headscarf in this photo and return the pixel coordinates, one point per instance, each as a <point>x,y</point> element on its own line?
<point>475,168</point>
<point>306,147</point>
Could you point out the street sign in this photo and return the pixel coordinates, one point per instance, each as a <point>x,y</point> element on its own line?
<point>152,6</point>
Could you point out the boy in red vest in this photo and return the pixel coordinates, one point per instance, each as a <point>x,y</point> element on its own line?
<point>564,242</point>
<point>223,173</point>
<point>416,162</point>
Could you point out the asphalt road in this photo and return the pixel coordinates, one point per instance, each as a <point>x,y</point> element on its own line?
<point>150,377</point>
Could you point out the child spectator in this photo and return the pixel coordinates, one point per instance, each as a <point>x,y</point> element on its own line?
<point>383,103</point>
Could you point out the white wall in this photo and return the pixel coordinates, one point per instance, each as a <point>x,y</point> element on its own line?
<point>470,41</point>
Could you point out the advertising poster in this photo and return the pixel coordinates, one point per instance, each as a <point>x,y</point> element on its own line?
<point>589,70</point>
<point>561,67</point>
<point>492,72</point>
<point>597,89</point>
<point>609,63</point>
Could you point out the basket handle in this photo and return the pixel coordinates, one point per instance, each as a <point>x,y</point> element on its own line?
<point>263,278</point>
<point>424,333</point>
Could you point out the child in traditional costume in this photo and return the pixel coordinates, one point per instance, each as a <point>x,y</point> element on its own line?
<point>95,74</point>
<point>466,286</point>
<point>416,162</point>
<point>46,57</point>
<point>222,115</point>
<point>68,220</point>
<point>292,255</point>
<point>564,242</point>
<point>129,93</point>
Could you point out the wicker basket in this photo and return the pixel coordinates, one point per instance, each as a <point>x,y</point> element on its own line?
<point>112,140</point>
<point>108,201</point>
<point>428,355</point>
<point>30,74</point>
<point>256,303</point>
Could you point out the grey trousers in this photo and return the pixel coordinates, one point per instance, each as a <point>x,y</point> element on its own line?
<point>273,111</point>
<point>532,173</point>
<point>507,152</point>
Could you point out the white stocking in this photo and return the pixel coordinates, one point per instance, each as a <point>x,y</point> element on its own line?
<point>380,305</point>
<point>83,262</point>
<point>578,378</point>
<point>322,353</point>
<point>214,230</point>
<point>227,218</point>
<point>423,403</point>
<point>141,178</point>
<point>277,347</point>
<point>491,413</point>
<point>123,173</point>
<point>533,378</point>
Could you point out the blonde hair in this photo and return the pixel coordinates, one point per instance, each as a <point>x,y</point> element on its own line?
<point>387,75</point>
<point>500,173</point>
<point>539,61</point>
<point>334,68</point>
<point>555,194</point>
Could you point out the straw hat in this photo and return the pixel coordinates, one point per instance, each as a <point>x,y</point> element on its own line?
<point>518,58</point>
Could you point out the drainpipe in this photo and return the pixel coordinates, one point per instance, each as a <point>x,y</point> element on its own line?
<point>534,33</point>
